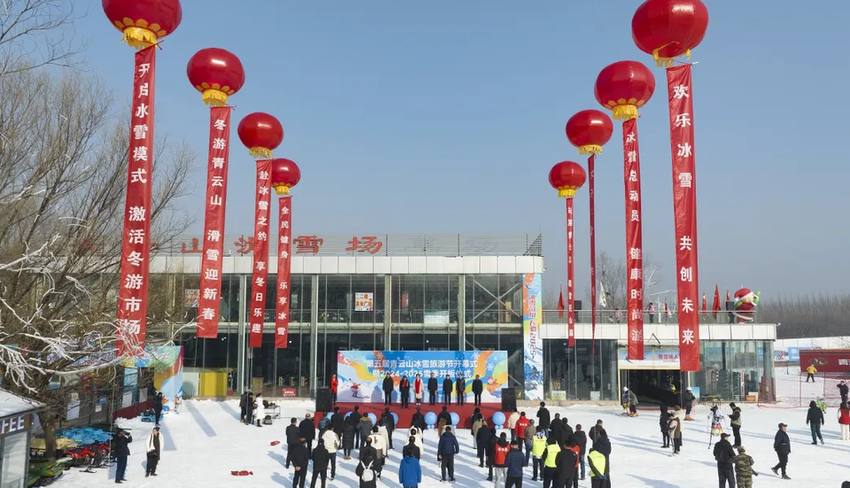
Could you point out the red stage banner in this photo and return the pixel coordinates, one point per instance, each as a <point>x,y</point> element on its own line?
<point>136,244</point>
<point>209,301</point>
<point>591,162</point>
<point>571,309</point>
<point>634,239</point>
<point>826,360</point>
<point>685,210</point>
<point>261,253</point>
<point>284,272</point>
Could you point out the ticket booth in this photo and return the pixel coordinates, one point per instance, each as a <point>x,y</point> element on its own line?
<point>16,419</point>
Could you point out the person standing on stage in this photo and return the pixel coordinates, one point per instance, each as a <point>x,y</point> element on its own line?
<point>461,389</point>
<point>432,389</point>
<point>334,388</point>
<point>417,389</point>
<point>404,391</point>
<point>448,386</point>
<point>477,389</point>
<point>388,389</point>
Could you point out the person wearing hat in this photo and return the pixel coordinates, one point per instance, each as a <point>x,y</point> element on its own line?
<point>723,454</point>
<point>307,431</point>
<point>782,446</point>
<point>744,468</point>
<point>154,449</point>
<point>688,399</point>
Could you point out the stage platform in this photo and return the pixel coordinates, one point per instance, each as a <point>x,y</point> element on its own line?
<point>405,414</point>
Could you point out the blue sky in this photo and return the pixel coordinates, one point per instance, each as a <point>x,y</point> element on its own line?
<point>446,117</point>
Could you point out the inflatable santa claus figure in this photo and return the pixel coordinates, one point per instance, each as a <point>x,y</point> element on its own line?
<point>745,305</point>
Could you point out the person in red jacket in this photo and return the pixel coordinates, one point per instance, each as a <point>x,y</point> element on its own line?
<point>334,386</point>
<point>521,425</point>
<point>417,389</point>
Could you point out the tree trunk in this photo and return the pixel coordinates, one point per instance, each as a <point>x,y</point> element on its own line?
<point>49,427</point>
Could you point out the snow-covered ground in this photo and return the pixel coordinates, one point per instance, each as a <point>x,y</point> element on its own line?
<point>205,442</point>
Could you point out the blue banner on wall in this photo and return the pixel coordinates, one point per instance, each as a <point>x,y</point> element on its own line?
<point>361,373</point>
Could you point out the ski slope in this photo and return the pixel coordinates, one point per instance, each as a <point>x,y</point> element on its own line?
<point>206,441</point>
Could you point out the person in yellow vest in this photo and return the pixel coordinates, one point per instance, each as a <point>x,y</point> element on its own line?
<point>538,447</point>
<point>811,370</point>
<point>599,469</point>
<point>550,464</point>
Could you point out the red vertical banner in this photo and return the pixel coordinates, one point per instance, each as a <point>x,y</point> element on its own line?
<point>685,210</point>
<point>571,309</point>
<point>591,162</point>
<point>260,268</point>
<point>136,243</point>
<point>634,239</point>
<point>209,301</point>
<point>284,272</point>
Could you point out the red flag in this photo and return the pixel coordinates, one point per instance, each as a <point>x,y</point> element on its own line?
<point>634,240</point>
<point>136,245</point>
<point>561,305</point>
<point>260,268</point>
<point>704,308</point>
<point>716,307</point>
<point>728,297</point>
<point>209,300</point>
<point>666,308</point>
<point>679,94</point>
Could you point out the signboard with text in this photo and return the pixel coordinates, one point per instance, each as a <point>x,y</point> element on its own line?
<point>826,360</point>
<point>363,302</point>
<point>652,359</point>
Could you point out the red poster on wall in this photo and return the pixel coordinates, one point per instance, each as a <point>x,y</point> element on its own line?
<point>136,243</point>
<point>284,271</point>
<point>260,268</point>
<point>209,301</point>
<point>591,163</point>
<point>685,211</point>
<point>634,239</point>
<point>571,310</point>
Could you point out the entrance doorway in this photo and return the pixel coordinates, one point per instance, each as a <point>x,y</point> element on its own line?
<point>653,386</point>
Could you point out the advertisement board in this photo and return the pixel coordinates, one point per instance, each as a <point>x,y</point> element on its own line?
<point>532,317</point>
<point>652,359</point>
<point>363,302</point>
<point>361,373</point>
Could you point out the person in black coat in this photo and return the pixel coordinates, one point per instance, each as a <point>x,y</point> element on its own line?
<point>411,449</point>
<point>446,417</point>
<point>404,391</point>
<point>565,470</point>
<point>355,420</point>
<point>348,435</point>
<point>418,419</point>
<point>448,386</point>
<point>581,442</point>
<point>293,439</point>
<point>389,423</point>
<point>388,390</point>
<point>665,427</point>
<point>121,444</point>
<point>338,422</point>
<point>602,443</point>
<point>782,446</point>
<point>243,405</point>
<point>307,431</point>
<point>249,409</point>
<point>723,454</point>
<point>321,459</point>
<point>491,453</point>
<point>543,419</point>
<point>477,389</point>
<point>432,389</point>
<point>815,419</point>
<point>483,442</point>
<point>301,460</point>
<point>460,388</point>
<point>157,408</point>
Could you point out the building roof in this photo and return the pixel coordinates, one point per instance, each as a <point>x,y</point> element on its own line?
<point>11,404</point>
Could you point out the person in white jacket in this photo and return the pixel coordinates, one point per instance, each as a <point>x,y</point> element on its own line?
<point>259,410</point>
<point>331,441</point>
<point>385,435</point>
<point>417,438</point>
<point>512,424</point>
<point>153,447</point>
<point>380,447</point>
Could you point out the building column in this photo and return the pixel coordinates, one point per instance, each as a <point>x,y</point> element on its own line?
<point>461,311</point>
<point>388,312</point>
<point>314,334</point>
<point>241,345</point>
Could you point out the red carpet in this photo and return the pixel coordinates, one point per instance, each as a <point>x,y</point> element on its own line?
<point>405,414</point>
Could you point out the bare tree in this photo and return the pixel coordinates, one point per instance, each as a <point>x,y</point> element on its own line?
<point>612,279</point>
<point>36,33</point>
<point>63,164</point>
<point>806,316</point>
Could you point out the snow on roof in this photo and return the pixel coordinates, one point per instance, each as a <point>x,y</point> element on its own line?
<point>11,404</point>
